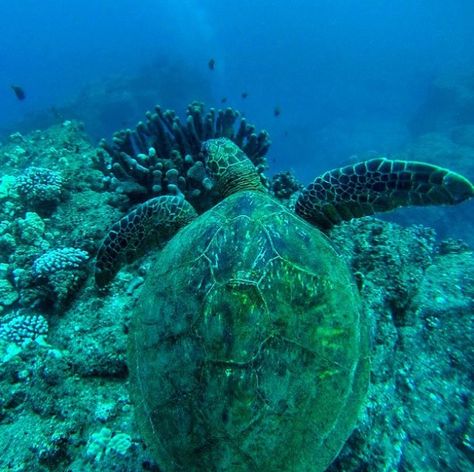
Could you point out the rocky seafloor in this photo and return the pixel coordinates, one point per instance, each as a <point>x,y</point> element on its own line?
<point>64,402</point>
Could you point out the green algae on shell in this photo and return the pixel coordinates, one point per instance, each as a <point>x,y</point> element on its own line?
<point>248,347</point>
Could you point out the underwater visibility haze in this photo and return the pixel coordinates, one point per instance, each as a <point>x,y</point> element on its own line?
<point>204,260</point>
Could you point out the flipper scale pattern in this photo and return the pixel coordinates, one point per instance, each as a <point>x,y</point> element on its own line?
<point>379,185</point>
<point>148,224</point>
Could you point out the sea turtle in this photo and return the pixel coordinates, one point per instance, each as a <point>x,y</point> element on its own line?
<point>248,347</point>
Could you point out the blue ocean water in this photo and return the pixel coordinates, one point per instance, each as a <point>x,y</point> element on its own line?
<point>332,81</point>
<point>347,76</point>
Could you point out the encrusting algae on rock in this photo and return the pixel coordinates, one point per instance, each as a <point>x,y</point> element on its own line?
<point>64,398</point>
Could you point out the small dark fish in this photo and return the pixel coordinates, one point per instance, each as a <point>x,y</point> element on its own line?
<point>276,111</point>
<point>211,64</point>
<point>223,99</point>
<point>244,94</point>
<point>19,92</point>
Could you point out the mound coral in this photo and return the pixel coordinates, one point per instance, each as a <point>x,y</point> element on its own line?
<point>58,273</point>
<point>40,188</point>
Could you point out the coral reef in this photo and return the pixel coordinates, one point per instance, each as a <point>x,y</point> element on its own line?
<point>387,250</point>
<point>8,294</point>
<point>163,154</point>
<point>284,185</point>
<point>421,359</point>
<point>58,273</point>
<point>38,171</point>
<point>23,328</point>
<point>50,280</point>
<point>18,329</point>
<point>104,442</point>
<point>64,401</point>
<point>67,258</point>
<point>40,188</point>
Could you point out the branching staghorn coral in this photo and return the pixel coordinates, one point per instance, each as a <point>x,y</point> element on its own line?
<point>162,155</point>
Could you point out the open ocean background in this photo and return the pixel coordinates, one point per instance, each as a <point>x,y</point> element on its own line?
<point>348,76</point>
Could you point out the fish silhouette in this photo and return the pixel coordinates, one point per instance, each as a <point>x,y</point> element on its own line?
<point>19,92</point>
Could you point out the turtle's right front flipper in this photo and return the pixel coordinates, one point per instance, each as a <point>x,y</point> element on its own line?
<point>379,185</point>
<point>148,224</point>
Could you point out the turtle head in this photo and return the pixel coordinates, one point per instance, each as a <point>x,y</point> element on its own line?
<point>229,168</point>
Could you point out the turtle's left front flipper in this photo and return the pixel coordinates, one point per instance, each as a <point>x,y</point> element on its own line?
<point>379,185</point>
<point>148,224</point>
